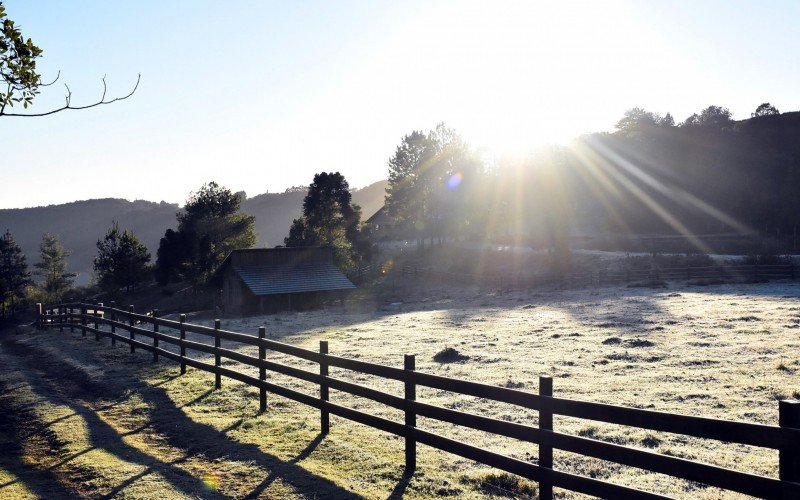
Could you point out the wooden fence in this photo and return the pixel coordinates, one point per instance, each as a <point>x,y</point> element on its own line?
<point>144,332</point>
<point>599,278</point>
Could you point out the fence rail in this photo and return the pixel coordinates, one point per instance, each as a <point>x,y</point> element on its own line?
<point>605,277</point>
<point>93,318</point>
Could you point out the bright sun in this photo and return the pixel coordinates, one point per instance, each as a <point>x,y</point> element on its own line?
<point>515,75</point>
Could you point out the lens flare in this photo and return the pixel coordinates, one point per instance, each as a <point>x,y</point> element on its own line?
<point>454,181</point>
<point>211,481</point>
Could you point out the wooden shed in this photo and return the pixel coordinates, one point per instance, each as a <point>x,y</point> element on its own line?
<point>265,280</point>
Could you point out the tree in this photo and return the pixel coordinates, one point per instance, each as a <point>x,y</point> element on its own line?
<point>431,178</point>
<point>14,275</point>
<point>53,268</point>
<point>172,257</point>
<point>22,81</point>
<point>122,260</point>
<point>765,109</point>
<point>210,226</point>
<point>329,219</point>
<point>715,117</point>
<point>637,118</point>
<point>407,193</point>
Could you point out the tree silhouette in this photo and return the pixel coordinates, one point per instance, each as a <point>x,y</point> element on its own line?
<point>14,275</point>
<point>329,219</point>
<point>22,81</point>
<point>121,261</point>
<point>209,228</point>
<point>765,109</point>
<point>430,180</point>
<point>713,117</point>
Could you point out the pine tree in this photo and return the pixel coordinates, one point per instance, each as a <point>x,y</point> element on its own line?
<point>122,260</point>
<point>53,268</point>
<point>329,219</point>
<point>14,275</point>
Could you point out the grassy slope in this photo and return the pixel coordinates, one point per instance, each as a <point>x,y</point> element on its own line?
<point>103,422</point>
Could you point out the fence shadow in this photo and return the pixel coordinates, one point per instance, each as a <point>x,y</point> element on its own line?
<point>49,377</point>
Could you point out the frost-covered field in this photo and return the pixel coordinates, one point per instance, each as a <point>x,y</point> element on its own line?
<point>728,351</point>
<point>86,419</point>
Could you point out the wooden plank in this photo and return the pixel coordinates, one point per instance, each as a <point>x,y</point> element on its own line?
<point>530,471</point>
<point>765,436</point>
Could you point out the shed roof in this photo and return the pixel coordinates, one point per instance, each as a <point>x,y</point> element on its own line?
<point>298,277</point>
<point>381,216</point>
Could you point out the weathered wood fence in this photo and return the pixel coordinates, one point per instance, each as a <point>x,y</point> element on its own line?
<point>144,333</point>
<point>606,277</point>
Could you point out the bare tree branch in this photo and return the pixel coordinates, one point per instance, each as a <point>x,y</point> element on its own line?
<point>68,99</point>
<point>58,75</point>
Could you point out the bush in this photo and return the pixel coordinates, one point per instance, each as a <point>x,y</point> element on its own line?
<point>503,485</point>
<point>449,355</point>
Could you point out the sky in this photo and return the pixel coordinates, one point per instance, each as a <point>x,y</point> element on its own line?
<point>260,95</point>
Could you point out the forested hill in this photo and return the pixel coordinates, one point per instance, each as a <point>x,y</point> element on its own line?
<point>81,223</point>
<point>705,178</point>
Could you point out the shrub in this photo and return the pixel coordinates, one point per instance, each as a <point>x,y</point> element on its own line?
<point>449,355</point>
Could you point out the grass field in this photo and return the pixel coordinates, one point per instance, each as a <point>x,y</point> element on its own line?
<point>88,419</point>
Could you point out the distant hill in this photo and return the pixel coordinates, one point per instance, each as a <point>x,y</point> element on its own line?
<point>81,223</point>
<point>749,171</point>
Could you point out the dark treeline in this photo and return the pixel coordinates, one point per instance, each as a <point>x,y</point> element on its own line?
<point>709,175</point>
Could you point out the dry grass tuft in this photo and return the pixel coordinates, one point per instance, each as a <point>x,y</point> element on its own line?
<point>449,355</point>
<point>502,485</point>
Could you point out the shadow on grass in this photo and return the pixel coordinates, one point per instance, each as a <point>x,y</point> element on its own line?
<point>400,488</point>
<point>258,490</point>
<point>43,483</point>
<point>67,385</point>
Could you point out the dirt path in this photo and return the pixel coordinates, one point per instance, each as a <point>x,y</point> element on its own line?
<point>76,424</point>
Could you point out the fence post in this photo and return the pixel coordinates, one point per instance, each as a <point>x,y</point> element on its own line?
<point>789,459</point>
<point>38,315</point>
<point>217,357</point>
<point>155,336</point>
<point>183,347</point>
<point>324,416</point>
<point>113,305</point>
<point>96,320</point>
<point>84,322</point>
<point>262,372</point>
<point>131,323</point>
<point>61,310</point>
<point>545,423</point>
<point>409,365</point>
<point>71,319</point>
